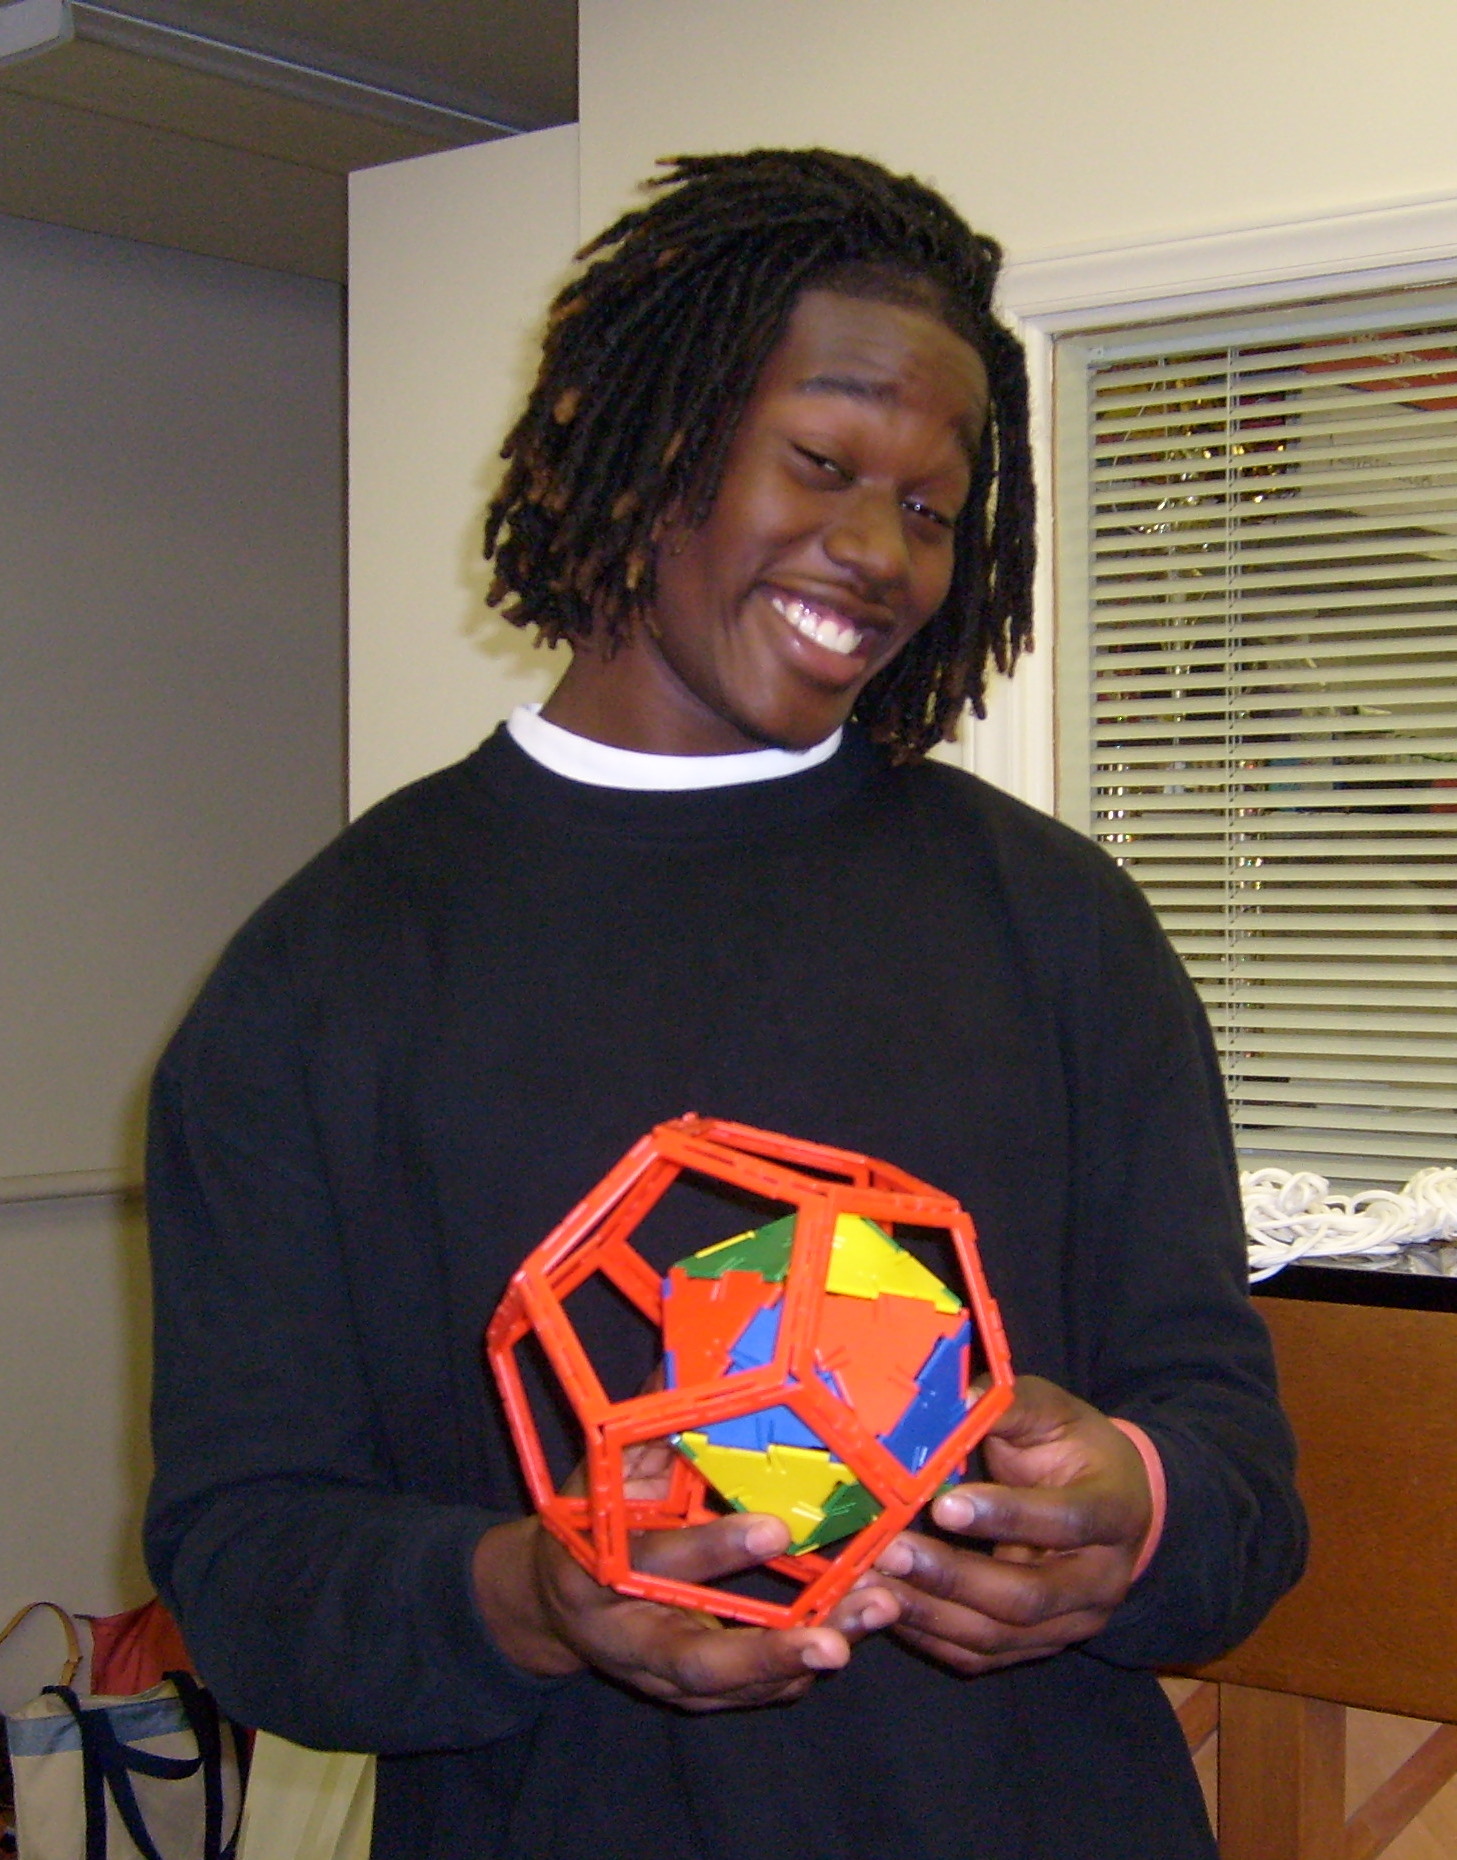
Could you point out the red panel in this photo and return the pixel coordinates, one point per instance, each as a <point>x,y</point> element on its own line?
<point>876,1347</point>
<point>704,1318</point>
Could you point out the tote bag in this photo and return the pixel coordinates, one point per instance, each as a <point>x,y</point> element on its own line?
<point>156,1776</point>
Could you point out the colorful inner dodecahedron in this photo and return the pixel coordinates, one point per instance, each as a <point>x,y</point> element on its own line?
<point>891,1342</point>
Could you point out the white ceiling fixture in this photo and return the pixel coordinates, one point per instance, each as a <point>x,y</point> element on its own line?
<point>30,27</point>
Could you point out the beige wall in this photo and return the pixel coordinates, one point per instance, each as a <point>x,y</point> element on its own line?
<point>170,655</point>
<point>1052,122</point>
<point>74,1365</point>
<point>171,674</point>
<point>452,260</point>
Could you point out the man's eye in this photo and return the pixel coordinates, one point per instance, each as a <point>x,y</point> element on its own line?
<point>823,464</point>
<point>928,515</point>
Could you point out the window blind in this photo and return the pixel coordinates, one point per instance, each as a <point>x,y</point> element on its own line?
<point>1257,636</point>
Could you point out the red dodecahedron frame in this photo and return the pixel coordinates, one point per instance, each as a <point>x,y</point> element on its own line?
<point>819,1184</point>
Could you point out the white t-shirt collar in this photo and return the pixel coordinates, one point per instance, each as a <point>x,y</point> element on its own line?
<point>579,758</point>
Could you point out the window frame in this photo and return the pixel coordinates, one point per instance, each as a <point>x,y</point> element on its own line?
<point>1081,291</point>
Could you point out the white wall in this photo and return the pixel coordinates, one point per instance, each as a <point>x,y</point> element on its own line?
<point>170,655</point>
<point>171,681</point>
<point>75,1357</point>
<point>453,259</point>
<point>1052,123</point>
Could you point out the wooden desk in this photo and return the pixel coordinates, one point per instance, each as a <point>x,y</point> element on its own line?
<point>1371,1390</point>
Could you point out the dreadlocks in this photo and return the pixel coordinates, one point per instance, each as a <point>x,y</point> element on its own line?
<point>650,357</point>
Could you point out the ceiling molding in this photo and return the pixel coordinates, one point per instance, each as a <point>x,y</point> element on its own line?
<point>308,74</point>
<point>227,127</point>
<point>132,180</point>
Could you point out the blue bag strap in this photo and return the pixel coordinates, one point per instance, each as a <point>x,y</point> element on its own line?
<point>202,1715</point>
<point>93,1779</point>
<point>243,1757</point>
<point>108,1763</point>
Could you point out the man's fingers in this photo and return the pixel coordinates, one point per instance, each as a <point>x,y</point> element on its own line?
<point>1019,1593</point>
<point>1023,1622</point>
<point>703,1665</point>
<point>704,1552</point>
<point>695,1661</point>
<point>1064,1521</point>
<point>1092,1511</point>
<point>742,1665</point>
<point>1008,1611</point>
<point>994,1650</point>
<point>870,1606</point>
<point>686,1657</point>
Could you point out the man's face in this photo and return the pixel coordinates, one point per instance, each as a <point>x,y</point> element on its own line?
<point>829,544</point>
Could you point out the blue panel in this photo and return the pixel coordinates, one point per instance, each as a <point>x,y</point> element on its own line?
<point>778,1426</point>
<point>938,1407</point>
<point>755,1347</point>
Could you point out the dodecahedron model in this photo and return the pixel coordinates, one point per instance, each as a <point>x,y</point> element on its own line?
<point>814,1367</point>
<point>891,1342</point>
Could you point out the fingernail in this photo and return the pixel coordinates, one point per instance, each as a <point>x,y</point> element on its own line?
<point>956,1511</point>
<point>896,1559</point>
<point>820,1658</point>
<point>764,1537</point>
<point>875,1615</point>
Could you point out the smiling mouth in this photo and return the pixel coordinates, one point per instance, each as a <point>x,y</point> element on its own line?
<point>820,625</point>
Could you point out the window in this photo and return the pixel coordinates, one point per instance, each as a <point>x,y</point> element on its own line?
<point>1257,689</point>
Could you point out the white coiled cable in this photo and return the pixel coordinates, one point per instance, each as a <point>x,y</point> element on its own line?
<point>1295,1216</point>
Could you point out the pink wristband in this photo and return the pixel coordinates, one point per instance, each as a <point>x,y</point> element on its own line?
<point>1158,1491</point>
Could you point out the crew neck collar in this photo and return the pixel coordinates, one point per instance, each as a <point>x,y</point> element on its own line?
<point>601,765</point>
<point>523,790</point>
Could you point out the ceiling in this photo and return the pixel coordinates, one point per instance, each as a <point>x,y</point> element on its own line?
<point>228,127</point>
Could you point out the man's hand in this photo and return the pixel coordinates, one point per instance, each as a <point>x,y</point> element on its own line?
<point>549,1617</point>
<point>1067,1520</point>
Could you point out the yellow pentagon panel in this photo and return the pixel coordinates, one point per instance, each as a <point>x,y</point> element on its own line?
<point>864,1262</point>
<point>791,1482</point>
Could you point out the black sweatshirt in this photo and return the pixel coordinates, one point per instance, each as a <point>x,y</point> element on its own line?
<point>432,1042</point>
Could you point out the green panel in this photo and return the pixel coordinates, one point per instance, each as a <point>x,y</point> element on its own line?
<point>765,1251</point>
<point>847,1509</point>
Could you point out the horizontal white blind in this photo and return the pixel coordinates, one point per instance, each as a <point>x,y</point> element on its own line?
<point>1268,551</point>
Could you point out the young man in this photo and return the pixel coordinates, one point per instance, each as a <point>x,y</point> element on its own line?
<point>772,485</point>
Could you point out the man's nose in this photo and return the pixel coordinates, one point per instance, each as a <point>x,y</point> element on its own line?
<point>868,535</point>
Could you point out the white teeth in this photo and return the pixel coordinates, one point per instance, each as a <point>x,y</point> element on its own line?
<point>835,635</point>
